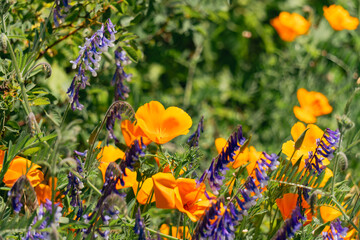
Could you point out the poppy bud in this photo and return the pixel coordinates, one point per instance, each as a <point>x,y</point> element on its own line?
<point>343,161</point>
<point>3,41</point>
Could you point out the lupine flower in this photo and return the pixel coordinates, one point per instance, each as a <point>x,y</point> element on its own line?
<point>139,227</point>
<point>21,166</point>
<point>290,25</point>
<point>329,213</point>
<point>89,60</point>
<point>162,125</point>
<point>309,144</point>
<point>121,90</point>
<point>249,156</point>
<point>291,225</point>
<point>131,132</point>
<point>312,105</point>
<point>194,138</point>
<point>339,18</point>
<point>181,194</point>
<point>326,146</point>
<point>218,167</point>
<point>175,232</point>
<point>43,216</point>
<point>336,231</point>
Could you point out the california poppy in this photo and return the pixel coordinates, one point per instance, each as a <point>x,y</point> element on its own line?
<point>288,203</point>
<point>162,125</point>
<point>290,25</point>
<point>329,213</point>
<point>175,232</point>
<point>131,132</point>
<point>43,191</point>
<point>312,105</point>
<point>308,145</point>
<point>340,19</point>
<point>21,166</point>
<point>181,194</point>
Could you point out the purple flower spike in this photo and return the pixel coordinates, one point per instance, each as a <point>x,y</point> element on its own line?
<point>194,138</point>
<point>120,76</point>
<point>291,225</point>
<point>336,231</point>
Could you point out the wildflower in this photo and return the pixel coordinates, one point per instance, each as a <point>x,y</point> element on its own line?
<point>22,193</point>
<point>288,203</point>
<point>339,18</point>
<point>131,132</point>
<point>248,156</point>
<point>312,105</point>
<point>20,166</point>
<point>309,145</point>
<point>290,25</point>
<point>329,213</point>
<point>109,154</point>
<point>336,231</point>
<point>42,220</point>
<point>162,125</point>
<point>132,155</point>
<point>175,232</point>
<point>218,166</point>
<point>181,194</point>
<point>194,138</point>
<point>88,60</point>
<point>44,191</point>
<point>58,11</point>
<point>139,227</point>
<point>121,91</point>
<point>145,192</point>
<point>291,225</point>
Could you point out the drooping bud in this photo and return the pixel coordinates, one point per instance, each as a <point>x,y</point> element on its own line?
<point>3,40</point>
<point>313,201</point>
<point>343,161</point>
<point>31,121</point>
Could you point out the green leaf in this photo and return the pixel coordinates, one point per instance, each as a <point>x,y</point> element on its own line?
<point>31,151</point>
<point>131,52</point>
<point>41,101</point>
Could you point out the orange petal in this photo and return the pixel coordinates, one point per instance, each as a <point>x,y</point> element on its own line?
<point>220,143</point>
<point>287,204</point>
<point>109,154</point>
<point>43,192</point>
<point>329,213</point>
<point>164,185</point>
<point>304,115</point>
<point>133,132</point>
<point>145,191</point>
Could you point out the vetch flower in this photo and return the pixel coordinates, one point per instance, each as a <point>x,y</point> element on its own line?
<point>336,231</point>
<point>340,19</point>
<point>22,193</point>
<point>312,105</point>
<point>131,132</point>
<point>121,90</point>
<point>58,11</point>
<point>218,167</point>
<point>291,225</point>
<point>162,125</point>
<point>194,138</point>
<point>290,25</point>
<point>139,227</point>
<point>89,60</point>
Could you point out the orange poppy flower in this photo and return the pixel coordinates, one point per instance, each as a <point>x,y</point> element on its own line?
<point>162,125</point>
<point>43,191</point>
<point>290,25</point>
<point>340,19</point>
<point>145,191</point>
<point>133,132</point>
<point>288,203</point>
<point>312,105</point>
<point>309,144</point>
<point>110,154</point>
<point>249,155</point>
<point>20,166</point>
<point>329,213</point>
<point>165,229</point>
<point>181,194</point>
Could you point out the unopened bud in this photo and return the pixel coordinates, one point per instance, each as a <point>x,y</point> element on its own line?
<point>31,120</point>
<point>343,161</point>
<point>313,201</point>
<point>344,122</point>
<point>3,41</point>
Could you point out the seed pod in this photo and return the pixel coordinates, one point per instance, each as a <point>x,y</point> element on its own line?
<point>343,161</point>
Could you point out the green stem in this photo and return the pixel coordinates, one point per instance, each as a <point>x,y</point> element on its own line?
<point>93,187</point>
<point>151,230</point>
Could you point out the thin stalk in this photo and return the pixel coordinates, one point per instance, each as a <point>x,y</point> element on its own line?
<point>347,218</point>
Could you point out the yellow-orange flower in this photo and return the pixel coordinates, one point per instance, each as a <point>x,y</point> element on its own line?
<point>249,155</point>
<point>165,229</point>
<point>290,25</point>
<point>288,203</point>
<point>162,125</point>
<point>145,192</point>
<point>329,213</point>
<point>43,191</point>
<point>312,105</point>
<point>110,154</point>
<point>340,19</point>
<point>309,144</point>
<point>181,194</point>
<point>20,166</point>
<point>133,132</point>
